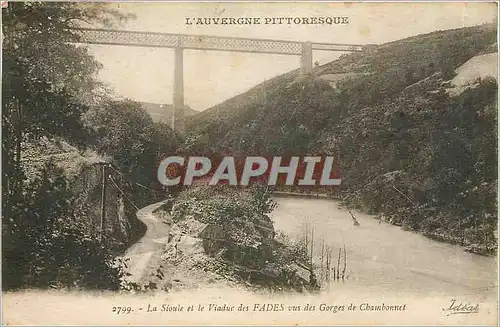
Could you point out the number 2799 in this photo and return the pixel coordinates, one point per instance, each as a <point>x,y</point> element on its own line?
<point>122,310</point>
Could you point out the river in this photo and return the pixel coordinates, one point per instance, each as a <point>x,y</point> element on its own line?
<point>382,257</point>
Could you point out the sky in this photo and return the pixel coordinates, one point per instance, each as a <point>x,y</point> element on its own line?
<point>210,77</point>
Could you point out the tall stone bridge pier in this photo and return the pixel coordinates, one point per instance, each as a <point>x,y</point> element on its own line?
<point>180,42</point>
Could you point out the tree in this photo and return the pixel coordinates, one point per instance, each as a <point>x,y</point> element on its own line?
<point>127,133</point>
<point>48,83</point>
<point>46,80</point>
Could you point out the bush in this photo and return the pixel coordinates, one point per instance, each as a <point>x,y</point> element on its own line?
<point>45,244</point>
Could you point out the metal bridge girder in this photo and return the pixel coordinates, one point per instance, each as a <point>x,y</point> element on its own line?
<point>203,42</point>
<point>196,42</point>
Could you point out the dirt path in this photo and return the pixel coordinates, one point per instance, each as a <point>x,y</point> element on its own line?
<point>149,246</point>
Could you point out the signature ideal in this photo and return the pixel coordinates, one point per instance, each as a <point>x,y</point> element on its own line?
<point>461,308</point>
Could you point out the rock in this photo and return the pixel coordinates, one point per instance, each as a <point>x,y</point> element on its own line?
<point>475,69</point>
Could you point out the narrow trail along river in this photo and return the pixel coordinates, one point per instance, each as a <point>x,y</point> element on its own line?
<point>384,258</point>
<point>149,247</point>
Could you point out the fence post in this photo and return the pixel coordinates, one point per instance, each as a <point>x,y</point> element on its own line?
<point>103,200</point>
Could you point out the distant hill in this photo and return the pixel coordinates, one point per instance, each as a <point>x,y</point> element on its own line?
<point>163,112</point>
<point>412,122</point>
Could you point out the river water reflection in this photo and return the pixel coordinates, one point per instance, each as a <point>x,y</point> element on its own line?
<point>382,257</point>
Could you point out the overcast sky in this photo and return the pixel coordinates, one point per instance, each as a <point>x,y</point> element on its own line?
<point>146,74</point>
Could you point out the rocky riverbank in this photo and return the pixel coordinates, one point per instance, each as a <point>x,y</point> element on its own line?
<point>224,234</point>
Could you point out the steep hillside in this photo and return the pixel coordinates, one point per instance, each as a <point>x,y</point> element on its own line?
<point>387,68</point>
<point>412,147</point>
<point>163,112</point>
<point>83,171</point>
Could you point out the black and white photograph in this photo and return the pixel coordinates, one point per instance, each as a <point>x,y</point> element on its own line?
<point>249,163</point>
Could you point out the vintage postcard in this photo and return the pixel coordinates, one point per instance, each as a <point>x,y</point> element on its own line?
<point>249,163</point>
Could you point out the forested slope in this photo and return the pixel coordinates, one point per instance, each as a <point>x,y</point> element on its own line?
<point>413,146</point>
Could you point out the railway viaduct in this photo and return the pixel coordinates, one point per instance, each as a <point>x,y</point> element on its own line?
<point>180,42</point>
